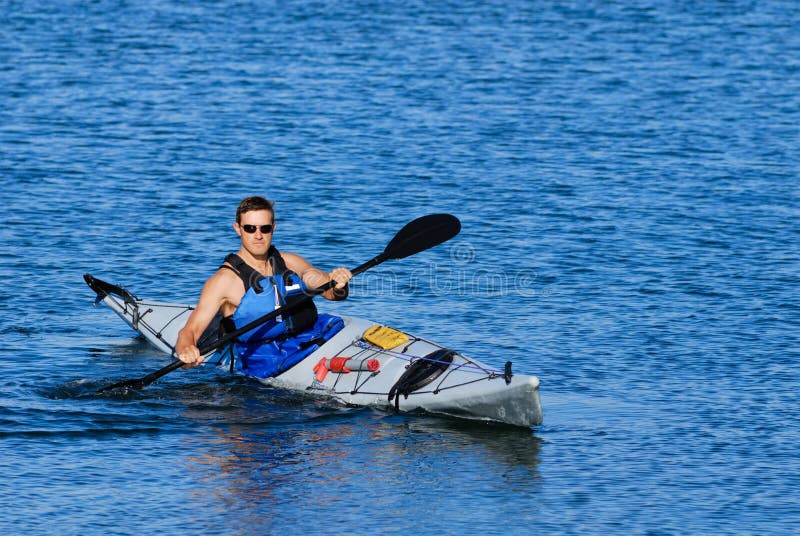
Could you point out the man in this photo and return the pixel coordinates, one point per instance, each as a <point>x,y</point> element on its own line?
<point>251,283</point>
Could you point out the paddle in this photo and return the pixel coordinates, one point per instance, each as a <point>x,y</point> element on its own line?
<point>416,236</point>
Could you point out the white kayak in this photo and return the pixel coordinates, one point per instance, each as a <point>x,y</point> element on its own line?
<point>416,374</point>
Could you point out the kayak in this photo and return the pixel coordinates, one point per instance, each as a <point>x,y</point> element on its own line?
<point>363,364</point>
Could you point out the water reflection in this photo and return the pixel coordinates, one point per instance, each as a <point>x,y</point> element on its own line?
<point>260,458</point>
<point>274,454</point>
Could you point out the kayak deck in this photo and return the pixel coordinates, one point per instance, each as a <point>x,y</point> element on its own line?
<point>466,388</point>
<point>415,375</point>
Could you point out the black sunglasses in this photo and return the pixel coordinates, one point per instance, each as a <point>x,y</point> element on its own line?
<point>265,229</point>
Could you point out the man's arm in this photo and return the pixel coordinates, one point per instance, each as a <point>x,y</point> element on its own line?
<point>314,277</point>
<point>215,293</point>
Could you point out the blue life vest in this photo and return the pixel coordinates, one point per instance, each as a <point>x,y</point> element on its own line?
<point>278,344</point>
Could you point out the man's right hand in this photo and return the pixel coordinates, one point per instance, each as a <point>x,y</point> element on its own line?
<point>187,352</point>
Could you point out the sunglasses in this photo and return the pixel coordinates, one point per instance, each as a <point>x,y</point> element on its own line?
<point>265,229</point>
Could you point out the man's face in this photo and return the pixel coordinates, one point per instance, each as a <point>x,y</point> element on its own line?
<point>258,241</point>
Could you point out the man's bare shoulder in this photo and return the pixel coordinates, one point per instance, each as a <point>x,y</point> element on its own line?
<point>295,262</point>
<point>224,284</point>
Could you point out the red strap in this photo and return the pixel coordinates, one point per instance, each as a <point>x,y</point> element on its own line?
<point>321,369</point>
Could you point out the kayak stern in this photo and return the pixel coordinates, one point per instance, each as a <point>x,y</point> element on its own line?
<point>517,403</point>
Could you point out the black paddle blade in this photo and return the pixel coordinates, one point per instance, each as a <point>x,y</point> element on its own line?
<point>421,234</point>
<point>127,384</point>
<point>141,383</point>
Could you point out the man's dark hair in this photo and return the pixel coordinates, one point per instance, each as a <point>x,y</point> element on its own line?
<point>250,204</point>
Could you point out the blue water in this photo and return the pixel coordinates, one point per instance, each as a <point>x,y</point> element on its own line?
<point>627,178</point>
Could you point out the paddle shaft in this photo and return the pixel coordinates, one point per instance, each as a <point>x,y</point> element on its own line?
<point>140,383</point>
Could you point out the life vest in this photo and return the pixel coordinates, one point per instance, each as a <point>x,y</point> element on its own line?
<point>278,344</point>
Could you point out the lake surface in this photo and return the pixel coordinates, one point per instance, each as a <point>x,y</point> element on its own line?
<point>627,178</point>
